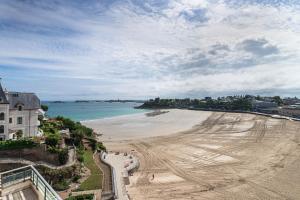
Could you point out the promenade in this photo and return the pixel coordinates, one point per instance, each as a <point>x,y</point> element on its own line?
<point>122,165</point>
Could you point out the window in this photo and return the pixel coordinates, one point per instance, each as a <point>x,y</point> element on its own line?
<point>19,120</point>
<point>10,120</point>
<point>1,129</point>
<point>20,108</point>
<point>2,116</point>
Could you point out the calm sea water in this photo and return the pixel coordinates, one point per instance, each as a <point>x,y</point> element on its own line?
<point>79,111</point>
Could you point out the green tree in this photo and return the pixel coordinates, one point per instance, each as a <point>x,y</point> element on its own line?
<point>278,100</point>
<point>67,123</point>
<point>63,156</point>
<point>44,107</point>
<point>77,136</point>
<point>52,139</point>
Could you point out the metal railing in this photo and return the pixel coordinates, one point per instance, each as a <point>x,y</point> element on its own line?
<point>22,174</point>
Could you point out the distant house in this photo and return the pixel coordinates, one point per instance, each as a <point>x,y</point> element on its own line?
<point>290,111</point>
<point>291,101</point>
<point>259,105</point>
<point>18,114</point>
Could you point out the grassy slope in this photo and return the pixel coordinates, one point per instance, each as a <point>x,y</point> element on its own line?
<point>94,181</point>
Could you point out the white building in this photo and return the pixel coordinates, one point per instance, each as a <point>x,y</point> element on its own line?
<point>18,112</point>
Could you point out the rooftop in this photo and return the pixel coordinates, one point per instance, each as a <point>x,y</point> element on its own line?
<point>28,100</point>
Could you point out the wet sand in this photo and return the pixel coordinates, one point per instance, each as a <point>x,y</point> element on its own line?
<point>142,125</point>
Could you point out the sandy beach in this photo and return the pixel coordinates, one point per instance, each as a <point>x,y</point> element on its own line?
<point>208,155</point>
<point>137,126</point>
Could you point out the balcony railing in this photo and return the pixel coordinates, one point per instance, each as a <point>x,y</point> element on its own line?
<point>18,175</point>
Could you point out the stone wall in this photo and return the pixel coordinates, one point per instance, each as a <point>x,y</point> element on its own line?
<point>35,154</point>
<point>9,166</point>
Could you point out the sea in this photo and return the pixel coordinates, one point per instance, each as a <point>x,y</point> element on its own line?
<point>81,111</point>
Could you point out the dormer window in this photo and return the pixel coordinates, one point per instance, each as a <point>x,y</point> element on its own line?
<point>19,106</point>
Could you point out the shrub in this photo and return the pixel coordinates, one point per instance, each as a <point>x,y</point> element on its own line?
<point>100,146</point>
<point>93,144</point>
<point>52,139</point>
<point>77,137</point>
<point>51,126</point>
<point>59,178</point>
<point>53,149</point>
<point>67,123</point>
<point>87,131</point>
<point>44,107</point>
<point>19,134</point>
<point>82,197</point>
<point>63,156</point>
<point>80,152</point>
<point>17,144</point>
<point>74,126</point>
<point>60,186</point>
<point>80,158</point>
<point>76,178</point>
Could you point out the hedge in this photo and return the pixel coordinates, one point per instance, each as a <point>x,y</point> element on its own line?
<point>17,144</point>
<point>82,197</point>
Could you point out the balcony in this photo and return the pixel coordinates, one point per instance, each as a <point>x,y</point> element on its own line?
<point>25,183</point>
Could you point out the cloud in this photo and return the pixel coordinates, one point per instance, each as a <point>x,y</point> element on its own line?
<point>220,58</point>
<point>259,47</point>
<point>195,15</point>
<point>218,48</point>
<point>141,49</point>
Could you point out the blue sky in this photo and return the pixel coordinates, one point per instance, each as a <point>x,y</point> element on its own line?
<point>138,49</point>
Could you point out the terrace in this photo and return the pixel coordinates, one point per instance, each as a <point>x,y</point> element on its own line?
<point>25,183</point>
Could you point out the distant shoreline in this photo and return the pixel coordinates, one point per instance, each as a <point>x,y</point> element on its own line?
<point>114,117</point>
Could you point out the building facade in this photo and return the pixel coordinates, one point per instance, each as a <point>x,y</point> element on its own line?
<point>18,114</point>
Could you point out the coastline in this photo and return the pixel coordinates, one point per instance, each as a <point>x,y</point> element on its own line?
<point>138,126</point>
<point>114,117</point>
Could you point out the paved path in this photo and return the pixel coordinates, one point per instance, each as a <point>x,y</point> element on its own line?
<point>121,164</point>
<point>107,178</point>
<point>71,161</point>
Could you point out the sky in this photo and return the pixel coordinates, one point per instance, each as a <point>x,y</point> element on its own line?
<point>140,49</point>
